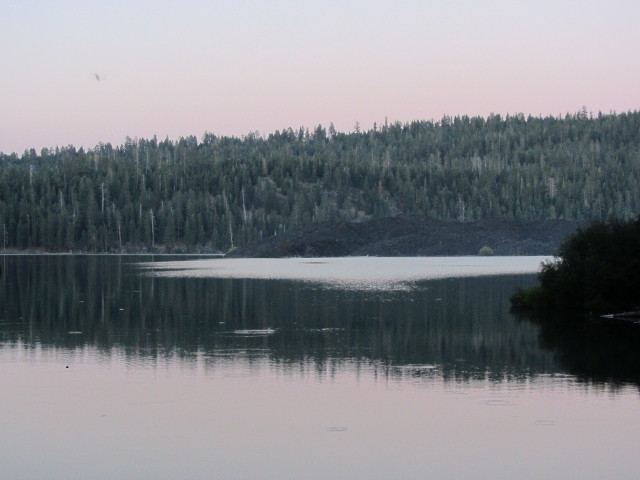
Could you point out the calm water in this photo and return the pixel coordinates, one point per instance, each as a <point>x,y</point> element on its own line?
<point>340,369</point>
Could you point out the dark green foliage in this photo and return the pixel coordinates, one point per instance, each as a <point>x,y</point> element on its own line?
<point>223,192</point>
<point>597,269</point>
<point>532,298</point>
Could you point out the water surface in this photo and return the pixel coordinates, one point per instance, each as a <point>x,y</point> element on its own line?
<point>113,369</point>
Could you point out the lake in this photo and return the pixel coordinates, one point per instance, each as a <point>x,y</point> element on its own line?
<point>154,367</point>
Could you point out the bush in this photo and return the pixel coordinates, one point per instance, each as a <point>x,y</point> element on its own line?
<point>485,252</point>
<point>597,269</point>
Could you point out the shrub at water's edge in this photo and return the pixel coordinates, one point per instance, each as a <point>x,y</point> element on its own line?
<point>597,269</point>
<point>486,251</point>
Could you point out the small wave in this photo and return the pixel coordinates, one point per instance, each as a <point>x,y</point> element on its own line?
<point>267,331</point>
<point>544,423</point>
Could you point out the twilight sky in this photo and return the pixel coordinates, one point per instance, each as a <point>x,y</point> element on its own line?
<point>178,68</point>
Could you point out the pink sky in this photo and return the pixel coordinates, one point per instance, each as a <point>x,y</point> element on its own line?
<point>185,68</point>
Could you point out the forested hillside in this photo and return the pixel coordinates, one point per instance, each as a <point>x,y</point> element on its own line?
<point>222,192</point>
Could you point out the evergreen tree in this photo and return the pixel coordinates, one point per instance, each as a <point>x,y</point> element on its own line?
<point>224,190</point>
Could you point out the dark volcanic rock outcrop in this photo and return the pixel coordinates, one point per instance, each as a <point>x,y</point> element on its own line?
<point>409,235</point>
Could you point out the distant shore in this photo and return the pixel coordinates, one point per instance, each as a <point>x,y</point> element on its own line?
<point>413,235</point>
<point>401,236</point>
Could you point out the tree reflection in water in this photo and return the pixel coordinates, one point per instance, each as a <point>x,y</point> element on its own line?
<point>457,329</point>
<point>594,349</point>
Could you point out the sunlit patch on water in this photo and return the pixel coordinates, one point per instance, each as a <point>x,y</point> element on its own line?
<point>348,273</point>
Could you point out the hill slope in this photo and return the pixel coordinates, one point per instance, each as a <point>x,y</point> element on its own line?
<point>222,192</point>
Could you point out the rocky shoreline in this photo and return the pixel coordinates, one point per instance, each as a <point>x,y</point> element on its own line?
<point>412,235</point>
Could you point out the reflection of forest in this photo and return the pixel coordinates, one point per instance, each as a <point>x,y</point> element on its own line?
<point>593,349</point>
<point>461,326</point>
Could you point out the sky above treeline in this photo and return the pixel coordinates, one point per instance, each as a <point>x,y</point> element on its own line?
<point>79,73</point>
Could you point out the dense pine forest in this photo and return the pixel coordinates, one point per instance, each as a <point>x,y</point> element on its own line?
<point>222,192</point>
